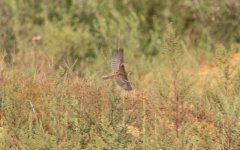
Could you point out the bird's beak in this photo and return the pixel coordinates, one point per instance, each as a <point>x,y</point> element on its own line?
<point>130,73</point>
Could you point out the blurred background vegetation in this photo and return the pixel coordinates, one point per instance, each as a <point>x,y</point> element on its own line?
<point>80,29</point>
<point>185,61</point>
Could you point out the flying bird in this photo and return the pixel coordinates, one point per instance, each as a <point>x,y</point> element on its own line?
<point>119,72</point>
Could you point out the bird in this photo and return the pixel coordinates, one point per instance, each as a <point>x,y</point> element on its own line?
<point>119,72</point>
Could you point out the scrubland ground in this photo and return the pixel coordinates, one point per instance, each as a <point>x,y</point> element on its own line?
<point>184,55</point>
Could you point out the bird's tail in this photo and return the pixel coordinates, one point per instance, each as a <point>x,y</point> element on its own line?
<point>108,77</point>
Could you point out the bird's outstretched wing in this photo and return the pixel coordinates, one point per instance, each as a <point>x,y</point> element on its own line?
<point>117,60</point>
<point>122,79</point>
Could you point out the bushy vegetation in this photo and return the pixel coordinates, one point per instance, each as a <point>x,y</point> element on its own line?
<point>185,60</point>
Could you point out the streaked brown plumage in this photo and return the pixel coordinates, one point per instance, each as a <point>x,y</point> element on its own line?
<point>120,74</point>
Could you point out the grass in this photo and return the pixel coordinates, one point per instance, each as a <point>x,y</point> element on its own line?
<point>184,57</point>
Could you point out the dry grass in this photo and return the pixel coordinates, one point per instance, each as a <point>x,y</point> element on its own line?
<point>185,86</point>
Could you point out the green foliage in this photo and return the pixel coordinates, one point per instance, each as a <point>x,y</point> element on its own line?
<point>107,136</point>
<point>186,85</point>
<point>226,99</point>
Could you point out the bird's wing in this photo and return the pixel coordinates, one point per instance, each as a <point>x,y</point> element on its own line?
<point>117,60</point>
<point>122,79</point>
